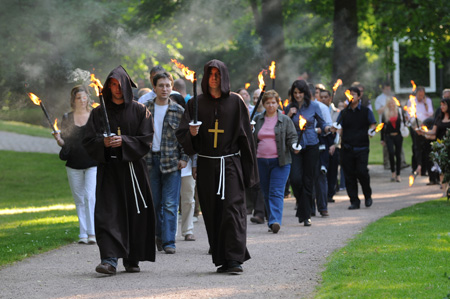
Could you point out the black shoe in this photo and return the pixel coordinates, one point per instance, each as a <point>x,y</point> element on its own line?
<point>257,220</point>
<point>106,268</point>
<point>223,268</point>
<point>313,214</point>
<point>353,207</point>
<point>307,222</point>
<point>132,269</point>
<point>368,202</point>
<point>331,200</point>
<point>234,267</point>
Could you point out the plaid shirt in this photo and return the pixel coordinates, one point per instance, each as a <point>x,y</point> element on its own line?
<point>171,150</point>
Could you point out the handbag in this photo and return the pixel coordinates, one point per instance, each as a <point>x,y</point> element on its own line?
<point>403,128</point>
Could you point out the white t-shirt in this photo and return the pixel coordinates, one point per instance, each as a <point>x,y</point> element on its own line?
<point>158,122</point>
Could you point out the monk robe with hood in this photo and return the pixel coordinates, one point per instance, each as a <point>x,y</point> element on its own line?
<point>225,219</point>
<point>124,213</point>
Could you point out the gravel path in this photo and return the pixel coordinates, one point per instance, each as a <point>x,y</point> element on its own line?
<point>283,265</point>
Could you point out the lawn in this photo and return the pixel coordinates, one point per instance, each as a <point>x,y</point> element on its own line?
<point>37,213</point>
<point>403,255</point>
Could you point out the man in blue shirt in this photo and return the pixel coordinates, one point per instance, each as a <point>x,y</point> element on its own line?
<point>358,123</point>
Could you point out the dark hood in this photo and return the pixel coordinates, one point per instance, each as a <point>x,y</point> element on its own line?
<point>224,77</point>
<point>121,75</point>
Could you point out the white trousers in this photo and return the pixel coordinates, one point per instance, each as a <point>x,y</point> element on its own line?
<point>187,193</point>
<point>82,183</point>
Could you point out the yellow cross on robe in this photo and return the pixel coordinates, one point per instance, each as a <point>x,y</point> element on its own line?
<point>216,131</point>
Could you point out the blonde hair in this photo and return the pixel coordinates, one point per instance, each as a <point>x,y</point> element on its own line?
<point>387,111</point>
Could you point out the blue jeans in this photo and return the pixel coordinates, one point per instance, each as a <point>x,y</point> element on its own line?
<point>166,197</point>
<point>273,179</point>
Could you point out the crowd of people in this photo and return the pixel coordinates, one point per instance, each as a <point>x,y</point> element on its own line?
<point>148,156</point>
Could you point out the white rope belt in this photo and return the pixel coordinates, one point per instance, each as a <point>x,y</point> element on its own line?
<point>135,183</point>
<point>222,172</point>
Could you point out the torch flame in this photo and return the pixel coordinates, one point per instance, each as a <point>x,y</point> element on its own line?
<point>337,84</point>
<point>412,109</point>
<point>411,180</point>
<point>301,122</point>
<point>96,84</point>
<point>261,80</point>
<point>272,70</point>
<point>379,127</point>
<point>187,73</point>
<point>281,104</point>
<point>348,95</point>
<point>424,128</point>
<point>55,125</point>
<point>247,85</point>
<point>413,85</point>
<point>286,102</point>
<point>396,101</point>
<point>95,105</point>
<point>34,98</point>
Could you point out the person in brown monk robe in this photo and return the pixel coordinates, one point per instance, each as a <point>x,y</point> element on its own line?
<point>226,165</point>
<point>124,213</point>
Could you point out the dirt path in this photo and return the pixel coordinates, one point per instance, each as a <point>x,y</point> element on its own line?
<point>285,265</point>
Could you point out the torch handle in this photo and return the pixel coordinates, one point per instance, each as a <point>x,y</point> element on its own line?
<point>257,103</point>
<point>46,115</point>
<point>300,137</point>
<point>105,115</point>
<point>194,86</point>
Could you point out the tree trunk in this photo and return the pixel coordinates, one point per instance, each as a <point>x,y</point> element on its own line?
<point>269,26</point>
<point>345,36</point>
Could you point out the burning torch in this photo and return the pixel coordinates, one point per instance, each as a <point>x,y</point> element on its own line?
<point>272,74</point>
<point>262,86</point>
<point>97,85</point>
<point>35,99</point>
<point>191,76</point>
<point>302,125</point>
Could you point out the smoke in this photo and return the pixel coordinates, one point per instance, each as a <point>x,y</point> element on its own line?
<point>79,76</point>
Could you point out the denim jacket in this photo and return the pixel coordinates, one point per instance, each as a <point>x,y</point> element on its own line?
<point>285,136</point>
<point>171,150</point>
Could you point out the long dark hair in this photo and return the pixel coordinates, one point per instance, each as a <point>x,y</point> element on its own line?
<point>303,87</point>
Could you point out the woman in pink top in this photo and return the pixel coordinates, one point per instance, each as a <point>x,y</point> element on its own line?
<point>274,135</point>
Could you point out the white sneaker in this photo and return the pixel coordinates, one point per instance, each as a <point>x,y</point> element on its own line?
<point>92,240</point>
<point>83,241</point>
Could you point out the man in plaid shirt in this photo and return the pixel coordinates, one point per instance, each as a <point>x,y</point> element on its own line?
<point>165,161</point>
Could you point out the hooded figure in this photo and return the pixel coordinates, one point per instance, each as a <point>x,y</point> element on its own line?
<point>124,214</point>
<point>226,165</point>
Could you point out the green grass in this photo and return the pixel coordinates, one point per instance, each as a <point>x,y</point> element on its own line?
<point>403,255</point>
<point>37,213</point>
<point>24,128</point>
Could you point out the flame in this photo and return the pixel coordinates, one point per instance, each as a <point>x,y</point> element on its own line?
<point>379,127</point>
<point>396,101</point>
<point>281,104</point>
<point>96,84</point>
<point>337,84</point>
<point>301,123</point>
<point>55,125</point>
<point>412,109</point>
<point>424,128</point>
<point>95,105</point>
<point>348,95</point>
<point>413,85</point>
<point>272,70</point>
<point>411,180</point>
<point>261,80</point>
<point>247,85</point>
<point>405,108</point>
<point>286,102</point>
<point>187,73</point>
<point>34,98</point>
